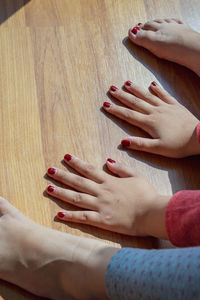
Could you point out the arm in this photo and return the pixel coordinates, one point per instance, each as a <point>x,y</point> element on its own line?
<point>154,274</point>
<point>182,219</point>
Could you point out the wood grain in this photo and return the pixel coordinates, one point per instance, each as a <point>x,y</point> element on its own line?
<point>58,59</point>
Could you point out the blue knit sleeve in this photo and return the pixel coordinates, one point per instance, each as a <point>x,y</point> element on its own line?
<point>154,274</point>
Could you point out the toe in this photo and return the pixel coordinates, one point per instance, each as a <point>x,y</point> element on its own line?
<point>119,169</point>
<point>151,25</point>
<point>159,21</point>
<point>142,37</point>
<point>178,21</point>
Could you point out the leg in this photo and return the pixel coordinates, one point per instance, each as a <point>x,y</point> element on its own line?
<point>49,263</point>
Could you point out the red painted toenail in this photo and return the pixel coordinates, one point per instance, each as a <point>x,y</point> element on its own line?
<point>139,24</point>
<point>134,30</point>
<point>68,157</point>
<point>113,88</point>
<point>60,214</point>
<point>50,188</point>
<point>110,160</point>
<point>106,104</point>
<point>125,143</point>
<point>154,83</point>
<point>128,83</point>
<point>51,171</point>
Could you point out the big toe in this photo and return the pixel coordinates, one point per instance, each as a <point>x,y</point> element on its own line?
<point>142,37</point>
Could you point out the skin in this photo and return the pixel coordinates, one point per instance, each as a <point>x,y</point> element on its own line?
<point>65,266</point>
<point>171,127</point>
<point>125,203</point>
<point>170,39</point>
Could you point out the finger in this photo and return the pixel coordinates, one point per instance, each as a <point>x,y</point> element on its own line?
<point>85,169</point>
<point>119,169</point>
<point>162,93</point>
<point>84,217</point>
<point>142,144</point>
<point>130,100</point>
<point>126,114</point>
<point>77,182</point>
<point>75,198</point>
<point>142,93</point>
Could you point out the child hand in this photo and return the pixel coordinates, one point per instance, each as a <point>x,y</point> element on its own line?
<point>126,204</point>
<point>171,126</point>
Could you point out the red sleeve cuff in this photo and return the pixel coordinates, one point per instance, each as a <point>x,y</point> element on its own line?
<point>182,219</point>
<point>198,132</point>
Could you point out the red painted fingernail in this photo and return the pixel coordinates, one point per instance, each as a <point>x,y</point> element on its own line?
<point>128,83</point>
<point>113,88</point>
<point>125,143</point>
<point>134,30</point>
<point>50,188</point>
<point>106,104</point>
<point>68,157</point>
<point>139,24</point>
<point>60,214</point>
<point>111,160</point>
<point>51,171</point>
<point>154,83</point>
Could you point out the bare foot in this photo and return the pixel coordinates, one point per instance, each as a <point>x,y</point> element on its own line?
<point>172,128</point>
<point>49,263</point>
<point>169,39</point>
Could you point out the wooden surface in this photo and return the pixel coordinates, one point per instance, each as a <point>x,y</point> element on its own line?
<point>58,59</point>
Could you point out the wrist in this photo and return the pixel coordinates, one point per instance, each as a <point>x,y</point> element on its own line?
<point>154,221</point>
<point>193,146</point>
<point>99,260</point>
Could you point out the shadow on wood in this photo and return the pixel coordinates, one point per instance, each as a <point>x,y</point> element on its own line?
<point>9,7</point>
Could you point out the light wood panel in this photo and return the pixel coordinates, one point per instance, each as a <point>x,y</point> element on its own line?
<point>58,59</point>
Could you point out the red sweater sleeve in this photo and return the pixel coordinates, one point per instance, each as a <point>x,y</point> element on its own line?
<point>198,132</point>
<point>182,219</point>
<point>182,216</point>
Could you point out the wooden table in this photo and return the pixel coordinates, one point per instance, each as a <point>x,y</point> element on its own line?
<point>58,59</point>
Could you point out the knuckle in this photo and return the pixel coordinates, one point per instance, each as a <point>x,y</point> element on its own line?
<point>79,181</point>
<point>128,114</point>
<point>77,198</point>
<point>138,142</point>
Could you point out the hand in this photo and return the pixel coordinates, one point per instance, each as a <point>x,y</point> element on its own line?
<point>171,126</point>
<point>126,204</point>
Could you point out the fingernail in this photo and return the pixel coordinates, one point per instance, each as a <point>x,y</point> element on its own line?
<point>139,24</point>
<point>154,83</point>
<point>113,88</point>
<point>135,30</point>
<point>125,143</point>
<point>110,160</point>
<point>60,214</point>
<point>128,83</point>
<point>106,104</point>
<point>68,157</point>
<point>51,171</point>
<point>50,188</point>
